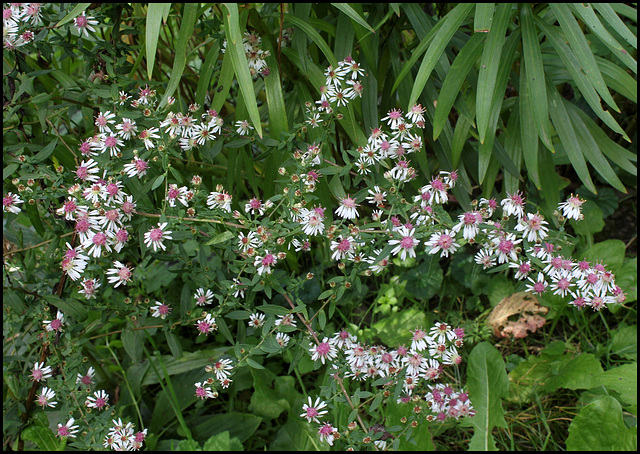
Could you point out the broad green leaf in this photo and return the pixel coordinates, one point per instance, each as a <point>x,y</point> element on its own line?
<point>461,66</point>
<point>188,15</point>
<point>450,24</point>
<point>599,427</point>
<point>353,14</point>
<point>622,379</point>
<point>582,49</point>
<point>43,437</point>
<point>239,425</point>
<point>222,442</point>
<point>581,372</point>
<point>566,132</point>
<point>489,65</point>
<point>608,252</point>
<point>133,342</point>
<point>235,48</point>
<point>75,12</point>
<point>155,14</point>
<point>608,14</point>
<point>488,383</point>
<point>627,280</point>
<point>586,13</point>
<point>482,19</point>
<point>45,152</point>
<point>535,74</point>
<point>220,238</point>
<point>394,329</point>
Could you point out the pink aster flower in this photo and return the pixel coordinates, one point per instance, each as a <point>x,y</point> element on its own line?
<point>325,350</point>
<point>347,208</point>
<point>45,398</point>
<point>155,237</point>
<point>160,310</point>
<point>56,324</point>
<point>67,430</point>
<point>121,274</point>
<point>99,400</point>
<point>313,411</point>
<point>40,372</point>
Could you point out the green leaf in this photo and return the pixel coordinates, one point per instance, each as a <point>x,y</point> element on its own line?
<point>456,76</point>
<point>566,132</point>
<point>488,384</point>
<point>583,79</point>
<point>188,15</point>
<point>75,12</point>
<point>609,252</point>
<point>349,11</point>
<point>535,74</point>
<point>222,442</point>
<point>590,149</point>
<point>528,135</point>
<point>452,16</point>
<point>393,329</point>
<point>586,13</point>
<point>609,15</point>
<point>45,152</point>
<point>450,24</point>
<point>600,427</point>
<point>240,426</point>
<point>235,48</point>
<point>133,342</point>
<point>580,45</point>
<point>314,35</point>
<point>581,372</point>
<point>622,379</point>
<point>157,182</point>
<point>220,238</point>
<point>43,437</point>
<point>155,14</point>
<point>482,19</point>
<point>489,65</point>
<point>206,72</point>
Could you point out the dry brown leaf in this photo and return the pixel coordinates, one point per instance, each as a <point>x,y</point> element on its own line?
<point>517,314</point>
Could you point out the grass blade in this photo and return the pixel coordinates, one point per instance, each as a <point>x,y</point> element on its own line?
<point>566,132</point>
<point>461,66</point>
<point>607,12</point>
<point>586,13</point>
<point>489,65</point>
<point>349,11</point>
<point>450,24</point>
<point>235,48</point>
<point>535,74</point>
<point>582,49</point>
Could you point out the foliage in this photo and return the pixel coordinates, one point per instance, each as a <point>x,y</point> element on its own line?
<point>276,196</point>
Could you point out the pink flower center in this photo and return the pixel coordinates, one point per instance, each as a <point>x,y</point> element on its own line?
<point>312,412</point>
<point>348,202</point>
<point>406,242</point>
<point>156,235</point>
<point>81,21</point>
<point>56,324</point>
<point>112,189</point>
<point>344,245</point>
<point>99,239</point>
<point>438,185</point>
<point>445,241</point>
<point>323,348</point>
<point>268,260</point>
<point>110,142</point>
<point>255,204</point>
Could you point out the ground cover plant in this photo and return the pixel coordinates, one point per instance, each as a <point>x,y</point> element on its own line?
<point>319,226</point>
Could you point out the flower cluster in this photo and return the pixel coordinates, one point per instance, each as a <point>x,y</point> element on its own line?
<point>423,361</point>
<point>252,43</point>
<point>123,437</point>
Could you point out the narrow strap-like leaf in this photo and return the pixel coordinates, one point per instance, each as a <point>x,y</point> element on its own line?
<point>207,71</point>
<point>489,65</point>
<point>564,127</point>
<point>349,11</point>
<point>618,79</point>
<point>583,51</point>
<point>607,12</point>
<point>189,15</point>
<point>314,35</point>
<point>483,17</point>
<point>572,63</point>
<point>528,135</point>
<point>461,66</point>
<point>75,12</point>
<point>586,13</point>
<point>235,48</point>
<point>451,23</point>
<point>155,13</point>
<point>590,149</point>
<point>535,74</point>
<point>456,15</point>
